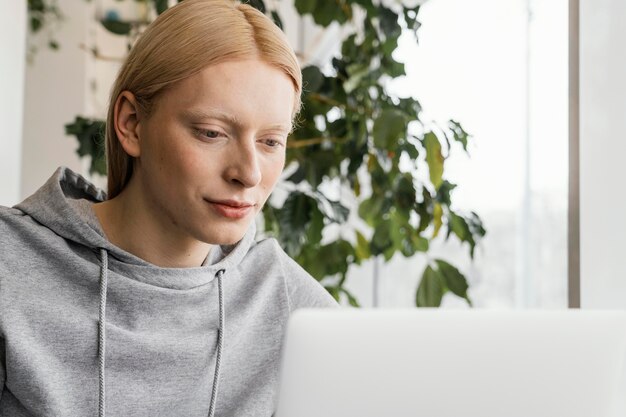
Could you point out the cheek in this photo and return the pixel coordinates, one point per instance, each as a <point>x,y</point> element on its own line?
<point>271,172</point>
<point>174,155</point>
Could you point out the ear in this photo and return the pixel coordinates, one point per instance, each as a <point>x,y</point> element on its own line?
<point>126,123</point>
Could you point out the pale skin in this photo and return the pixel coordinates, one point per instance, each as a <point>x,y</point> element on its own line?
<point>206,160</point>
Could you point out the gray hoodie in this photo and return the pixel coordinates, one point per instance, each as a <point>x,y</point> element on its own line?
<point>87,329</point>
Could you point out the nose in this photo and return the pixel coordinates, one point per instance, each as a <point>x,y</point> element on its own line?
<point>243,165</point>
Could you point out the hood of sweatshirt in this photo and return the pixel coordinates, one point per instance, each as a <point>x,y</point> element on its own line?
<point>63,205</point>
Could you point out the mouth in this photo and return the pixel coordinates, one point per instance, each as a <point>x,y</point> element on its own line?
<point>232,209</point>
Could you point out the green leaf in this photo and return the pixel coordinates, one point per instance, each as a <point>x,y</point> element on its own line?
<point>294,218</point>
<point>454,280</point>
<point>423,209</point>
<point>389,127</point>
<point>270,222</point>
<point>305,6</point>
<point>434,158</point>
<point>443,193</point>
<point>389,22</point>
<point>370,210</point>
<point>356,186</point>
<point>35,24</point>
<point>420,243</point>
<point>393,68</point>
<point>90,136</point>
<point>388,253</point>
<point>116,26</point>
<point>98,165</point>
<point>339,212</point>
<point>437,219</point>
<point>336,257</point>
<point>312,79</point>
<point>328,11</point>
<point>410,17</point>
<point>458,226</point>
<point>319,164</point>
<point>351,298</point>
<point>36,6</point>
<point>475,225</point>
<point>362,247</point>
<point>309,260</point>
<point>349,48</point>
<point>390,45</point>
<point>258,4</point>
<point>277,20</point>
<point>160,6</point>
<point>405,195</point>
<point>381,239</point>
<point>410,150</point>
<point>53,45</point>
<point>430,290</point>
<point>356,72</point>
<point>368,5</point>
<point>380,179</point>
<point>411,107</point>
<point>315,227</point>
<point>338,128</point>
<point>459,134</point>
<point>334,292</point>
<point>332,210</point>
<point>397,234</point>
<point>298,175</point>
<point>407,248</point>
<point>412,242</point>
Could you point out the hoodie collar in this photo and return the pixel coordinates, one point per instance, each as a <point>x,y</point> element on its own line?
<point>63,205</point>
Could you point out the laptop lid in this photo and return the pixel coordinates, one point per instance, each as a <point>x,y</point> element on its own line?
<point>438,363</point>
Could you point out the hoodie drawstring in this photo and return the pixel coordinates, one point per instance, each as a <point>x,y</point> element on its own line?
<point>102,335</point>
<point>104,261</point>
<point>220,342</point>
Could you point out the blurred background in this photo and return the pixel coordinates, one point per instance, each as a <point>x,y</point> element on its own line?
<point>538,155</point>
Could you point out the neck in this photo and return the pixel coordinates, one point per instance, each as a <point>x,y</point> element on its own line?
<point>134,226</point>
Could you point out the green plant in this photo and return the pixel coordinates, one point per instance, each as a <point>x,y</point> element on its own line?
<point>365,141</point>
<point>43,16</point>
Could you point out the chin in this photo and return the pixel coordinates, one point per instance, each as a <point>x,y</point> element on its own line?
<point>223,237</point>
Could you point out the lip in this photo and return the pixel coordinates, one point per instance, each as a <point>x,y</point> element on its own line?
<point>232,209</point>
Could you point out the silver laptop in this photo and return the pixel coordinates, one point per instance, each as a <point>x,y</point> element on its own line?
<point>435,363</point>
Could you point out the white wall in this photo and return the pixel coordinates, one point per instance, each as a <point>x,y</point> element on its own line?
<point>55,93</point>
<point>602,151</point>
<point>12,50</point>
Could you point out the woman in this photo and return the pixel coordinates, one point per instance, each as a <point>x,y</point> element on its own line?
<point>155,300</point>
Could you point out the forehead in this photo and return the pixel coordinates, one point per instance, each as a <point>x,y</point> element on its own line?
<point>248,92</point>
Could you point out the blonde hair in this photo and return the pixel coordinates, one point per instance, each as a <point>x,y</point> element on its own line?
<point>181,42</point>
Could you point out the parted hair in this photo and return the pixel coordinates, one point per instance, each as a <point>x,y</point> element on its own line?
<point>182,41</point>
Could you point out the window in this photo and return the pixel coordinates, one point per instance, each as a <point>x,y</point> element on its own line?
<point>500,68</point>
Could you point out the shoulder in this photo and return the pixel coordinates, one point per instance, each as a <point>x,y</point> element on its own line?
<point>11,222</point>
<point>303,291</point>
<point>9,213</point>
<point>13,238</point>
<point>19,228</point>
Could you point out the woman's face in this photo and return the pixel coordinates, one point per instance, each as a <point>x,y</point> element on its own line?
<point>213,148</point>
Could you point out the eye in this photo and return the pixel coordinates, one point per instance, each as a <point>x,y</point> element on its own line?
<point>272,143</point>
<point>208,133</point>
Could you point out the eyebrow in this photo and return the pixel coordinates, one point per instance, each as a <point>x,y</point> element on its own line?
<point>230,118</point>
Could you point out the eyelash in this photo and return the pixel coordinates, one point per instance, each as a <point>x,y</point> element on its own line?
<point>276,143</point>
<point>203,134</point>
